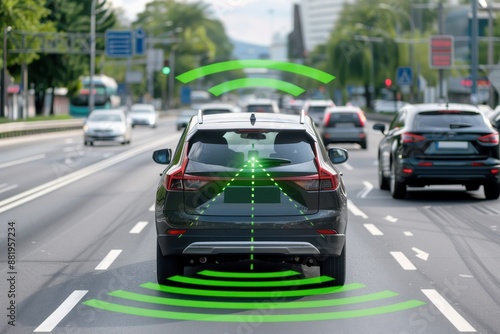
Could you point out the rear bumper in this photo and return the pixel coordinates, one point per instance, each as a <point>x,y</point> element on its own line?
<point>242,243</point>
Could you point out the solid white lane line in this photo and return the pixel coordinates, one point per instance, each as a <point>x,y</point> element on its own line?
<point>373,229</point>
<point>368,187</point>
<point>60,182</point>
<point>108,260</point>
<point>408,233</point>
<point>138,228</point>
<point>403,261</point>
<point>152,207</point>
<point>448,311</point>
<point>21,161</point>
<point>55,318</point>
<point>2,190</point>
<point>354,209</point>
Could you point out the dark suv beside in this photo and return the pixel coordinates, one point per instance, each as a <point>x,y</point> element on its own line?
<point>438,144</point>
<point>251,186</point>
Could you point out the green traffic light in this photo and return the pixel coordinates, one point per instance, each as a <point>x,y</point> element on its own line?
<point>165,70</point>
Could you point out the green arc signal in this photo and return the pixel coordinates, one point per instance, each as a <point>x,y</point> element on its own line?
<point>287,87</point>
<point>256,82</point>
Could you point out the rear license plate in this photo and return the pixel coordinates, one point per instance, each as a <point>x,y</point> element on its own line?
<point>453,144</point>
<point>249,194</point>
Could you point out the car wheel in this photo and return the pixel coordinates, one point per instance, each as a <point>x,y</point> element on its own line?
<point>335,267</point>
<point>85,143</point>
<point>167,266</point>
<point>398,189</point>
<point>491,191</point>
<point>363,145</point>
<point>383,183</point>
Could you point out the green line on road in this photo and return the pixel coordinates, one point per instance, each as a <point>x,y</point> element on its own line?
<point>249,284</point>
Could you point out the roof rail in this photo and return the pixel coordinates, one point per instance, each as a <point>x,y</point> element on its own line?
<point>302,116</point>
<point>200,116</point>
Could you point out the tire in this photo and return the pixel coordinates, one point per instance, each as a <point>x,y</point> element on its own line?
<point>335,267</point>
<point>383,183</point>
<point>491,191</point>
<point>363,145</point>
<point>397,188</point>
<point>167,266</point>
<point>85,143</point>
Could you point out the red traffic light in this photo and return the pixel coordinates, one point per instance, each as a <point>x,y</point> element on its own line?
<point>388,83</point>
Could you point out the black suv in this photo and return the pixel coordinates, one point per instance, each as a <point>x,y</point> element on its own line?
<point>248,186</point>
<point>437,144</point>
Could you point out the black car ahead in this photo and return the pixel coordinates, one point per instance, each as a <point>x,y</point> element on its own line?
<point>438,144</point>
<point>248,186</point>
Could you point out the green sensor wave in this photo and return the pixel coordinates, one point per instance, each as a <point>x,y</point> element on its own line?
<point>252,294</point>
<point>287,87</point>
<point>194,316</point>
<point>251,305</point>
<point>253,275</point>
<point>250,284</point>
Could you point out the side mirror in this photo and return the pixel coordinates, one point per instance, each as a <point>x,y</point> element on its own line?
<point>380,127</point>
<point>162,156</point>
<point>338,155</point>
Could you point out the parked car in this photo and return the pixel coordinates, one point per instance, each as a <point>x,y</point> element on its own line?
<point>143,114</point>
<point>254,187</point>
<point>261,106</point>
<point>316,109</point>
<point>107,125</point>
<point>436,144</point>
<point>184,118</point>
<point>344,124</point>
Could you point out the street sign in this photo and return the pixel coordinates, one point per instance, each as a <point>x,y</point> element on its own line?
<point>119,43</point>
<point>441,51</point>
<point>155,59</point>
<point>140,42</point>
<point>133,77</point>
<point>404,76</point>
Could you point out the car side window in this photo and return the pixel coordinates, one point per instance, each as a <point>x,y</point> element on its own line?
<point>399,121</point>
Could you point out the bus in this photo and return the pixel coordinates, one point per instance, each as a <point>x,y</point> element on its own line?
<point>105,97</point>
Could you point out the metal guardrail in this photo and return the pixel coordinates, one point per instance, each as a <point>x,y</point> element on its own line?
<point>15,129</point>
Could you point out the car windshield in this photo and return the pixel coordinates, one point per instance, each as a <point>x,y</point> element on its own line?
<point>238,148</point>
<point>105,118</point>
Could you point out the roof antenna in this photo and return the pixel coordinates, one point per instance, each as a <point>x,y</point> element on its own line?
<point>252,119</point>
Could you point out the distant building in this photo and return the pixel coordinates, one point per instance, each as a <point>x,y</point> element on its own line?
<point>318,20</point>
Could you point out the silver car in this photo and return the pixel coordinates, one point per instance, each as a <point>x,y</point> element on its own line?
<point>143,114</point>
<point>344,125</point>
<point>107,125</point>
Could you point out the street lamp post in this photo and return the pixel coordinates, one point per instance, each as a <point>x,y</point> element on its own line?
<point>474,53</point>
<point>92,55</point>
<point>3,92</point>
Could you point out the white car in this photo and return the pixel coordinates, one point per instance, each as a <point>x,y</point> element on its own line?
<point>316,109</point>
<point>107,125</point>
<point>143,114</point>
<point>262,105</point>
<point>217,108</point>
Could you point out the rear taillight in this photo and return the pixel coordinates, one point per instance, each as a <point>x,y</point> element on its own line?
<point>173,179</point>
<point>489,139</point>
<point>324,181</point>
<point>176,232</point>
<point>326,231</point>
<point>362,119</point>
<point>326,119</point>
<point>409,137</point>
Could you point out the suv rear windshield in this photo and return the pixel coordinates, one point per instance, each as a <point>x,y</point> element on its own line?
<point>343,119</point>
<point>260,108</point>
<point>316,110</point>
<point>236,149</point>
<point>446,120</point>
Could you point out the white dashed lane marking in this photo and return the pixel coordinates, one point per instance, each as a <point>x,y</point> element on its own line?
<point>355,210</point>
<point>109,259</point>
<point>138,227</point>
<point>373,229</point>
<point>55,318</point>
<point>403,261</point>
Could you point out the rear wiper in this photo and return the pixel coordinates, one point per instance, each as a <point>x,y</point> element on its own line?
<point>460,125</point>
<point>273,161</point>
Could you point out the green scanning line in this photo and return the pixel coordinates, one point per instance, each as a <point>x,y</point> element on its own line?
<point>223,274</point>
<point>252,294</point>
<point>249,284</point>
<point>250,318</point>
<point>257,63</point>
<point>256,82</point>
<point>251,305</point>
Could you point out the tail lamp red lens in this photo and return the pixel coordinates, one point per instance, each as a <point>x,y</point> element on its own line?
<point>409,137</point>
<point>489,139</point>
<point>176,232</point>
<point>326,231</point>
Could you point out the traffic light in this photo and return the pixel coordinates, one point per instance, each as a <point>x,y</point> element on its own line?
<point>388,83</point>
<point>166,67</point>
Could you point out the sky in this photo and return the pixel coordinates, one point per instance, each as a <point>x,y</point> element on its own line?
<point>253,21</point>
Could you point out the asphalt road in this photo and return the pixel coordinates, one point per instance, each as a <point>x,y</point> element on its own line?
<point>79,224</point>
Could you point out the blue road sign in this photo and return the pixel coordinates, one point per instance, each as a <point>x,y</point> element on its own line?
<point>404,76</point>
<point>119,43</point>
<point>140,41</point>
